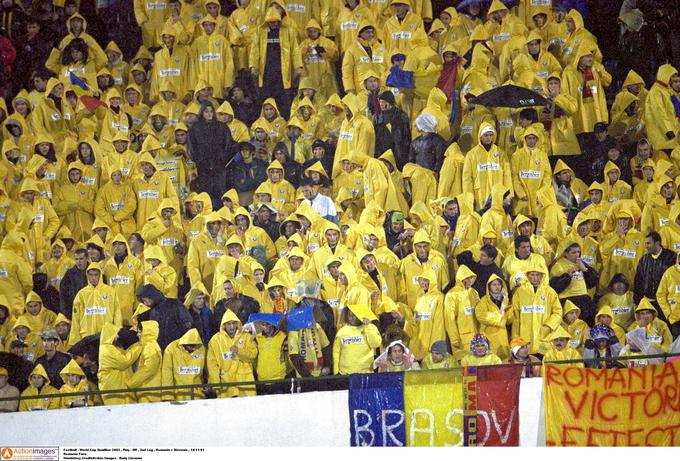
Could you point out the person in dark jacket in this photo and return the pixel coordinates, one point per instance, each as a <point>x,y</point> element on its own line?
<point>73,281</point>
<point>53,361</point>
<point>483,269</point>
<point>392,129</point>
<point>240,304</point>
<point>172,317</point>
<point>211,149</point>
<point>292,170</point>
<point>244,108</point>
<point>47,293</point>
<point>598,148</point>
<point>322,154</point>
<point>248,171</point>
<point>264,219</point>
<point>427,150</point>
<point>650,269</point>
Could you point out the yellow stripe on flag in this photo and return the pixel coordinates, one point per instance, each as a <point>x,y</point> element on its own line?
<point>433,408</point>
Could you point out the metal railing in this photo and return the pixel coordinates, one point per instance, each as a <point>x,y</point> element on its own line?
<point>301,380</point>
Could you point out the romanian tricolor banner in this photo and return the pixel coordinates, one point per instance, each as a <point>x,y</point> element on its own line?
<point>476,406</point>
<point>612,407</point>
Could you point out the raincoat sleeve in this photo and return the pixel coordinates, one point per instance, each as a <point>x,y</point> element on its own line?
<point>114,358</point>
<point>213,360</point>
<point>166,281</point>
<point>336,354</point>
<point>373,337</point>
<point>167,374</point>
<point>152,230</point>
<point>52,222</point>
<point>665,286</point>
<point>450,321</point>
<point>248,350</point>
<point>468,179</point>
<point>129,206</point>
<point>487,314</point>
<point>74,335</point>
<point>348,65</point>
<point>101,212</point>
<point>555,318</point>
<point>153,360</point>
<point>140,13</point>
<point>567,103</point>
<point>194,263</point>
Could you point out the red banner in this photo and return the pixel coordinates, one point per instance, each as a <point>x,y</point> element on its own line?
<point>498,405</point>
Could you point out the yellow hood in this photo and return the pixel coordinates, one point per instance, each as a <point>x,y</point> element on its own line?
<point>190,338</point>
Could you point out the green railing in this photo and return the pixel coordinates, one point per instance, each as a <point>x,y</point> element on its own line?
<point>292,381</point>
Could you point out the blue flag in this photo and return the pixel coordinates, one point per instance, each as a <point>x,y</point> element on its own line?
<point>399,78</point>
<point>272,319</point>
<point>300,318</point>
<point>454,100</point>
<point>376,410</point>
<point>77,81</point>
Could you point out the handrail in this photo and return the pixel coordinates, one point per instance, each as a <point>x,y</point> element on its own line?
<point>292,381</point>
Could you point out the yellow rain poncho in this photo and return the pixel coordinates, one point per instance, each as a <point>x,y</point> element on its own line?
<point>181,367</point>
<point>536,312</point>
<point>530,172</point>
<point>114,365</point>
<point>228,365</point>
<point>660,118</point>
<point>485,167</point>
<point>493,318</point>
<point>459,311</point>
<point>41,403</point>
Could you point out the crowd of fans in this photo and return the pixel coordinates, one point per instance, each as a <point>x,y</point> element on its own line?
<point>272,189</point>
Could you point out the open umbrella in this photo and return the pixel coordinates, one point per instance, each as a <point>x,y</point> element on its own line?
<point>509,96</point>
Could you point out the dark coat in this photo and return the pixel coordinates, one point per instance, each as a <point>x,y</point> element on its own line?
<point>396,136</point>
<point>173,318</point>
<point>74,280</point>
<point>54,366</point>
<point>427,150</point>
<point>649,272</point>
<point>211,148</point>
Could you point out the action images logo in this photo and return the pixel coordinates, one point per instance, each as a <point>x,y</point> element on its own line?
<point>30,453</point>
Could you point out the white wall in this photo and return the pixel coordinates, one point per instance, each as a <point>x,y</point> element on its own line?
<point>310,419</point>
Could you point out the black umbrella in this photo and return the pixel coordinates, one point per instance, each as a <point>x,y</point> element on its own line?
<point>509,96</point>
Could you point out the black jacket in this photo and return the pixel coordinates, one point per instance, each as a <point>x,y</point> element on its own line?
<point>242,306</point>
<point>173,318</point>
<point>427,150</point>
<point>392,131</point>
<point>649,272</point>
<point>483,272</point>
<point>54,366</point>
<point>74,280</point>
<point>248,176</point>
<point>211,148</point>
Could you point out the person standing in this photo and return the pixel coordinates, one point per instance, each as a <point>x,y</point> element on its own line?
<point>210,147</point>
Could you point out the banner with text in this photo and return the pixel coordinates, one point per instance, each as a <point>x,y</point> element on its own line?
<point>464,407</point>
<point>616,407</point>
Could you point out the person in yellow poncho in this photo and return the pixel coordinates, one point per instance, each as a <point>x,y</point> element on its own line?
<point>124,273</point>
<point>577,35</point>
<point>95,305</point>
<point>74,381</point>
<point>560,349</point>
<point>670,232</point>
<point>423,258</point>
<point>39,385</point>
<point>184,363</point>
<point>212,58</point>
<point>37,316</point>
<point>172,64</point>
<point>459,310</point>
<point>572,278</point>
<point>428,323</point>
<point>657,331</point>
<point>661,123</point>
<point>668,296</point>
<point>530,172</point>
<point>621,249</point>
<point>151,188</point>
<point>74,203</point>
<point>493,313</point>
<point>577,328</point>
<point>451,174</point>
<point>552,222</point>
<point>318,55</point>
<point>485,165</point>
<point>231,352</point>
<point>605,316</point>
<point>356,133</point>
<point>114,364</point>
<point>657,205</point>
<point>498,218</point>
<point>356,341</point>
<point>585,81</point>
<point>536,310</point>
<point>379,187</point>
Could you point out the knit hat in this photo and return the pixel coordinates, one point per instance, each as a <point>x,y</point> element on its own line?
<point>387,96</point>
<point>438,347</point>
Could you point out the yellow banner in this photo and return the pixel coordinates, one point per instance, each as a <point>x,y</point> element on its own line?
<point>619,407</point>
<point>433,408</point>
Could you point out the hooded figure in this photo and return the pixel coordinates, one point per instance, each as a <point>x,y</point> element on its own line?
<point>657,332</point>
<point>459,310</point>
<point>184,363</point>
<point>211,148</point>
<point>667,294</point>
<point>231,353</point>
<point>493,313</point>
<point>560,349</point>
<point>480,353</point>
<point>16,281</point>
<point>150,188</point>
<point>585,80</point>
<point>622,247</point>
<point>660,116</point>
<point>172,317</point>
<point>536,310</point>
<point>356,133</point>
<point>73,369</point>
<point>530,172</point>
<point>39,319</point>
<point>212,58</point>
<point>115,203</point>
<point>485,165</point>
<point>40,385</point>
<point>94,306</point>
<point>114,364</point>
<point>124,273</point>
<point>204,252</point>
<point>422,259</point>
<point>147,373</point>
<point>356,341</point>
<point>498,217</point>
<point>171,64</point>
